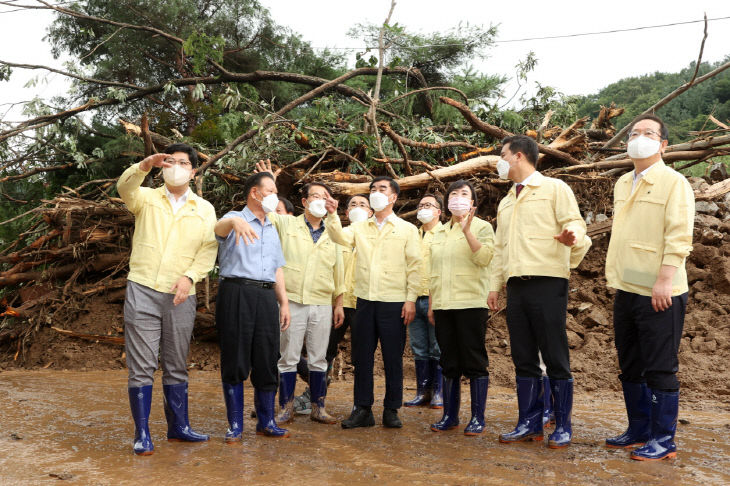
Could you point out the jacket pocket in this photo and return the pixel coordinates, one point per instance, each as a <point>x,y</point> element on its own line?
<point>293,276</point>
<point>641,263</point>
<point>468,286</point>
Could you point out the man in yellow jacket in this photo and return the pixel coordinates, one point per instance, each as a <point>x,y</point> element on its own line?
<point>173,247</point>
<point>651,238</point>
<point>540,237</point>
<point>314,275</point>
<point>387,280</point>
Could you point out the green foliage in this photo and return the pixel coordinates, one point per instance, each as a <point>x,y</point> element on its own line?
<point>687,112</point>
<point>5,73</point>
<point>201,48</point>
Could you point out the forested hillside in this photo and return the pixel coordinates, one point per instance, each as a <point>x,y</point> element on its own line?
<point>688,112</point>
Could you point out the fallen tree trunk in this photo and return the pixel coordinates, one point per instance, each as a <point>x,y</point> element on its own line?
<point>626,162</point>
<point>471,167</point>
<point>101,262</point>
<point>499,133</point>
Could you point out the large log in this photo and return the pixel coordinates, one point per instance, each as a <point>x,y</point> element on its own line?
<point>471,167</point>
<point>625,162</point>
<point>500,133</point>
<point>101,262</point>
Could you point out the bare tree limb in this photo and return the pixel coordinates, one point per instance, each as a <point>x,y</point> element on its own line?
<point>694,82</point>
<point>70,75</point>
<point>500,133</point>
<point>415,91</point>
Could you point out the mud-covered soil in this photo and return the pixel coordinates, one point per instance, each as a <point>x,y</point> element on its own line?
<point>76,426</point>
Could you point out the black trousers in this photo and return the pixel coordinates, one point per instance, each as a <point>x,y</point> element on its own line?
<point>247,319</point>
<point>460,334</point>
<point>337,334</point>
<point>378,321</point>
<point>536,312</point>
<point>647,341</point>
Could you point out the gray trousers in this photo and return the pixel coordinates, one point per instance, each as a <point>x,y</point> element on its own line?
<point>152,326</point>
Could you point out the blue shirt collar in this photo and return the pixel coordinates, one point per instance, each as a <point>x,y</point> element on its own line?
<point>249,216</point>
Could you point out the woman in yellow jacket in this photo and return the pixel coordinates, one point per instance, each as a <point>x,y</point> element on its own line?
<point>460,254</point>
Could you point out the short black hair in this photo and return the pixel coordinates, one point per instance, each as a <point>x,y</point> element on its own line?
<point>663,131</point>
<point>524,144</point>
<point>439,199</point>
<point>349,199</point>
<point>308,186</point>
<point>393,185</point>
<point>288,206</point>
<point>254,180</point>
<point>185,148</point>
<point>458,185</point>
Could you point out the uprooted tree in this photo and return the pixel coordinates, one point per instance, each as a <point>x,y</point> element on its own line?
<point>222,76</point>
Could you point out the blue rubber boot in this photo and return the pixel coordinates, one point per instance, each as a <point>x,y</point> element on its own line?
<point>548,417</point>
<point>452,403</point>
<point>423,384</point>
<point>176,412</point>
<point>664,411</point>
<point>638,408</point>
<point>318,387</point>
<point>479,388</point>
<point>266,425</point>
<point>287,382</point>
<point>233,396</point>
<point>437,385</point>
<point>562,391</point>
<point>140,401</point>
<point>529,406</point>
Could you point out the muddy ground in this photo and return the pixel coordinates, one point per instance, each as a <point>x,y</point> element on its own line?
<point>75,426</point>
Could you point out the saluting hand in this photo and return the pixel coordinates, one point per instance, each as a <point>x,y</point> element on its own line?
<point>244,231</point>
<point>566,237</point>
<point>154,160</point>
<point>265,166</point>
<point>331,204</point>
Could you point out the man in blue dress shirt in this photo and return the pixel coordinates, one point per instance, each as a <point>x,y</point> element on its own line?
<point>247,316</point>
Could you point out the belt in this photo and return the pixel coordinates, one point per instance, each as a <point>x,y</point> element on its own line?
<point>247,281</point>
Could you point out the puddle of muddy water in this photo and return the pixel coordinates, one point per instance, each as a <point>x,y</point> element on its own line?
<point>76,427</point>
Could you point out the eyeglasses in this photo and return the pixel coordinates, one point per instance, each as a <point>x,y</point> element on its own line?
<point>317,196</point>
<point>647,133</point>
<point>427,205</point>
<point>181,162</point>
<point>355,204</point>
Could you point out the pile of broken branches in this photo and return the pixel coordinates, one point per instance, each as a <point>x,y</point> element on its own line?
<point>78,247</point>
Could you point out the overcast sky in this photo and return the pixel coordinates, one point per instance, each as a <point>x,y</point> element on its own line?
<point>577,65</point>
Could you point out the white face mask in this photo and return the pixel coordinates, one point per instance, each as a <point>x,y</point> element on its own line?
<point>425,215</point>
<point>378,201</point>
<point>357,214</point>
<point>642,147</point>
<point>316,208</point>
<point>269,203</point>
<point>503,168</point>
<point>459,206</point>
<point>176,175</point>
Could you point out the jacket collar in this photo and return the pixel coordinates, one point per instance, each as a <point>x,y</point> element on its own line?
<point>652,172</point>
<point>534,180</point>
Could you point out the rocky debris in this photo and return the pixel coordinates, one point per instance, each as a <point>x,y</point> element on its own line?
<point>706,207</point>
